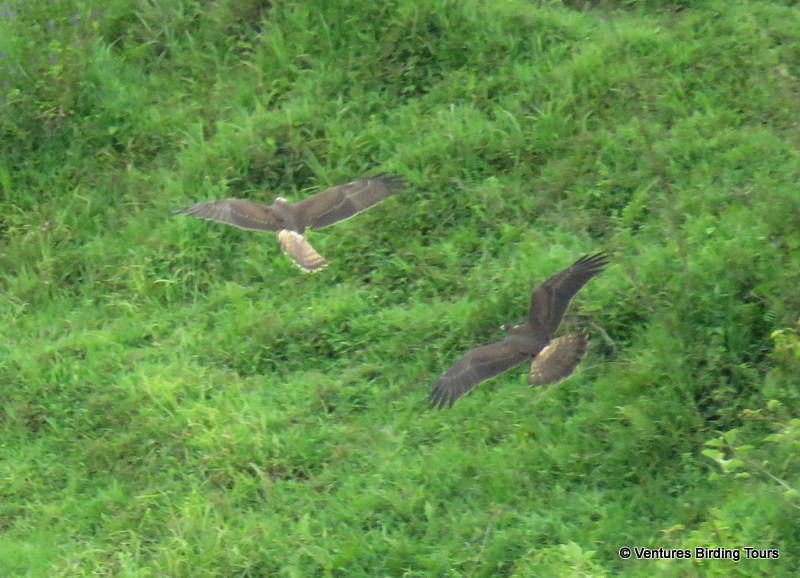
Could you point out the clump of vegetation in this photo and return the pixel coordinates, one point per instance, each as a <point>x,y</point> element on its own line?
<point>178,400</point>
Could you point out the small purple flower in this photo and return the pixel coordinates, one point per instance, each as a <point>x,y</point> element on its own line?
<point>51,25</point>
<point>53,59</point>
<point>3,54</point>
<point>75,19</point>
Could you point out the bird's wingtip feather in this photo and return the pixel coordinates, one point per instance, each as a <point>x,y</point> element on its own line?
<point>597,260</point>
<point>439,399</point>
<point>393,181</point>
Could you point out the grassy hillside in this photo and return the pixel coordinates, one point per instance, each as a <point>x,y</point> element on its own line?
<point>176,399</point>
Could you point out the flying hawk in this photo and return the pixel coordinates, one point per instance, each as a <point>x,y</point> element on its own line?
<point>290,220</point>
<point>552,360</point>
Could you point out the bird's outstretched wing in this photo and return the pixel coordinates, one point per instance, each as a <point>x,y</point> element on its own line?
<point>301,251</point>
<point>558,360</point>
<point>550,300</point>
<point>342,202</point>
<point>237,212</point>
<point>477,365</point>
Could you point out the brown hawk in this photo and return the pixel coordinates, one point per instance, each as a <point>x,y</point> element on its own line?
<point>552,360</point>
<point>290,220</point>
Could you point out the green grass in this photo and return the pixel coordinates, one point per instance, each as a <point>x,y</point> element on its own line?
<point>176,399</point>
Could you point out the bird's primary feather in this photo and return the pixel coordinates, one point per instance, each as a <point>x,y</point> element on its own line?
<point>345,201</point>
<point>239,213</point>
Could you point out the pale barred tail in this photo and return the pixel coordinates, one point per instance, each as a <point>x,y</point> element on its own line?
<point>301,251</point>
<point>558,360</point>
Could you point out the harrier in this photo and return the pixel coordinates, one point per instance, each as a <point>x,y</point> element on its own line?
<point>290,220</point>
<point>552,360</point>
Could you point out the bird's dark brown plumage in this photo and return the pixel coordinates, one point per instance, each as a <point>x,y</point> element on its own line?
<point>526,341</point>
<point>323,209</point>
<point>345,201</point>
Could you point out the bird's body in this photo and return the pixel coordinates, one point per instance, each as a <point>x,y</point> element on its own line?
<point>552,360</point>
<point>286,215</point>
<point>290,220</point>
<point>519,336</point>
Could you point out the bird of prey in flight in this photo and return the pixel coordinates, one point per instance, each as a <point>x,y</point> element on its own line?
<point>552,360</point>
<point>290,220</point>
